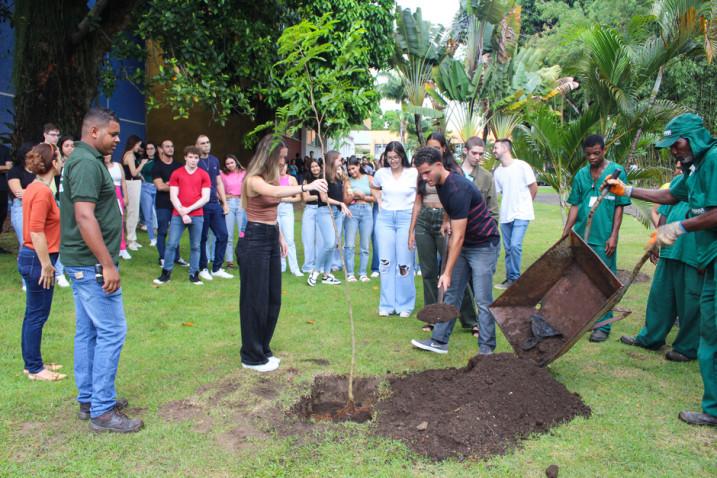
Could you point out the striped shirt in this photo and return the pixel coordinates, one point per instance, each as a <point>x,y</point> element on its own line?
<point>462,200</point>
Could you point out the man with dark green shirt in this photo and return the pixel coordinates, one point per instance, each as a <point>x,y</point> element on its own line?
<point>608,216</point>
<point>91,231</point>
<point>693,145</point>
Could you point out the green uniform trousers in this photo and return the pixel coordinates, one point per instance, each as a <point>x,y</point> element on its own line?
<point>611,263</point>
<point>675,292</point>
<point>707,351</point>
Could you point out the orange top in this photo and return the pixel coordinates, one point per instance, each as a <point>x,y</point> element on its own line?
<point>40,214</point>
<point>261,209</point>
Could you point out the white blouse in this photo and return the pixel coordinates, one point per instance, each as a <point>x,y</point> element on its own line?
<point>397,194</point>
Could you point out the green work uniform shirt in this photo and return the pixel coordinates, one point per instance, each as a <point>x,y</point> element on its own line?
<point>699,189</point>
<point>584,193</point>
<point>85,178</point>
<point>685,247</point>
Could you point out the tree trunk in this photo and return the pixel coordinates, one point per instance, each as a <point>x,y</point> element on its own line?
<point>59,47</point>
<point>419,130</point>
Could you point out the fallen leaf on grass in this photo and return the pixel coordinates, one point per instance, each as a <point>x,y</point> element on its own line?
<point>188,324</point>
<point>311,322</point>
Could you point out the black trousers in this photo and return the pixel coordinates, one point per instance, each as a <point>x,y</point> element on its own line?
<point>260,297</point>
<point>3,208</point>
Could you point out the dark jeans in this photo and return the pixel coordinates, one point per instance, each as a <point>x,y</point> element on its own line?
<point>164,216</point>
<point>3,208</point>
<point>260,296</point>
<point>214,219</point>
<point>38,302</point>
<point>430,243</point>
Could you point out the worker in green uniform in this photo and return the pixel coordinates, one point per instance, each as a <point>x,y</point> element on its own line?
<point>675,292</point>
<point>691,143</point>
<point>586,189</point>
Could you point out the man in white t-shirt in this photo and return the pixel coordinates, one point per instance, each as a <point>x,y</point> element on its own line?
<point>515,182</point>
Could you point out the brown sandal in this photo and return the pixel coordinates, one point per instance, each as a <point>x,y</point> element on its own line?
<point>427,328</point>
<point>46,375</point>
<point>475,331</point>
<point>52,367</point>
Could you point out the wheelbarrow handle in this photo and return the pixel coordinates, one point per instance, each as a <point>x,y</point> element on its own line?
<point>605,191</point>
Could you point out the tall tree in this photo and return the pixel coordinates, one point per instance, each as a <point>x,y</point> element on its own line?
<point>59,48</point>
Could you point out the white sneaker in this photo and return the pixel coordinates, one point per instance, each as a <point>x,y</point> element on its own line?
<point>133,246</point>
<point>383,313</point>
<point>125,255</point>
<point>221,273</point>
<point>275,359</point>
<point>62,281</point>
<point>364,278</point>
<point>375,274</point>
<point>153,243</point>
<point>270,366</point>
<point>313,276</point>
<point>204,274</point>
<point>404,314</point>
<point>329,279</point>
<point>351,278</point>
<point>24,289</point>
<point>419,273</point>
<point>298,274</point>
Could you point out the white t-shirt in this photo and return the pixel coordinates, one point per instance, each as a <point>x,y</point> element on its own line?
<point>512,183</point>
<point>397,194</point>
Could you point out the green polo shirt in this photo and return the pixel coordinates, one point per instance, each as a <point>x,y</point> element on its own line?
<point>699,189</point>
<point>584,193</point>
<point>85,178</point>
<point>685,247</point>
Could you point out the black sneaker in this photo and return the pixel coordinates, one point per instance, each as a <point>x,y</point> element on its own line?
<point>194,279</point>
<point>182,262</point>
<point>84,412</point>
<point>163,278</point>
<point>599,336</point>
<point>697,418</point>
<point>115,421</point>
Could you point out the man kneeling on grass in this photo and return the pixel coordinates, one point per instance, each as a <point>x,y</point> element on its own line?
<point>474,246</point>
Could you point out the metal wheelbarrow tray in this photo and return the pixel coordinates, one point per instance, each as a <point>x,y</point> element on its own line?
<point>568,286</point>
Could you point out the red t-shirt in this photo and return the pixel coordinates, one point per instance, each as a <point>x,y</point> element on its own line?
<point>190,187</point>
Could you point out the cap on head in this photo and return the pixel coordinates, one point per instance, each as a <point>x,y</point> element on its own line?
<point>679,127</point>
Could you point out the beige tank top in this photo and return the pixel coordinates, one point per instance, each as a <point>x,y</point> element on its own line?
<point>261,209</point>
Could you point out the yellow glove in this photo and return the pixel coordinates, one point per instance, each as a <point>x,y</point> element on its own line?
<point>617,187</point>
<point>667,235</point>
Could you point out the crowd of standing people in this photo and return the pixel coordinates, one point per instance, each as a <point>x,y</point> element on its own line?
<point>431,207</point>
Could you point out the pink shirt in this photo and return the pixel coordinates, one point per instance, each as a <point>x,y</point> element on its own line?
<point>232,182</point>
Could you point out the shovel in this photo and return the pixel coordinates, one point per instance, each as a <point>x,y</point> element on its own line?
<point>439,312</point>
<point>541,330</point>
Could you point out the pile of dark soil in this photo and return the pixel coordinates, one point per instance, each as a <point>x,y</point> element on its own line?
<point>478,411</point>
<point>435,313</point>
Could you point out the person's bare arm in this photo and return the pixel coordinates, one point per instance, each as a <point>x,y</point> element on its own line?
<point>616,223</point>
<point>16,187</point>
<point>5,167</point>
<point>414,219</point>
<point>125,197</point>
<point>533,190</point>
<point>295,197</point>
<point>174,199</point>
<point>708,220</point>
<point>260,187</point>
<point>161,185</point>
<point>92,235</point>
<point>572,219</point>
<point>39,243</point>
<point>458,234</point>
<point>222,194</point>
<point>201,201</point>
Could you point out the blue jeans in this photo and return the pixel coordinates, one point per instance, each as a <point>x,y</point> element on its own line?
<point>176,228</point>
<point>101,329</point>
<point>164,216</point>
<point>398,289</point>
<point>374,242</point>
<point>146,204</point>
<point>16,219</point>
<point>285,212</point>
<point>479,264</point>
<point>513,233</point>
<point>38,302</point>
<point>310,237</point>
<point>325,256</point>
<point>362,222</point>
<point>235,220</point>
<point>214,219</point>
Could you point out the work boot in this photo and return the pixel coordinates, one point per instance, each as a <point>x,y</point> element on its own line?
<point>629,340</point>
<point>697,418</point>
<point>599,336</point>
<point>675,356</point>
<point>115,421</point>
<point>84,412</point>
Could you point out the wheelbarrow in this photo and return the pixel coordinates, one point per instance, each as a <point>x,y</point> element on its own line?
<point>559,298</point>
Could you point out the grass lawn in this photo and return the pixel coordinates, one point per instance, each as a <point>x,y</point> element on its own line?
<point>205,416</point>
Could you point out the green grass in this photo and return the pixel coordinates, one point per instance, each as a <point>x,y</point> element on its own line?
<point>236,428</point>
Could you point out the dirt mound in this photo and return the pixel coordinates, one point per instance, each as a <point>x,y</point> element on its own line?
<point>481,410</point>
<point>329,398</point>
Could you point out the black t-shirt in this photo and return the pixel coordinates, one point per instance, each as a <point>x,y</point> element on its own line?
<point>336,192</point>
<point>163,171</point>
<point>462,200</point>
<point>4,158</point>
<point>25,177</point>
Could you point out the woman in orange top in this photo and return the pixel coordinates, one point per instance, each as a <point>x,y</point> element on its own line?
<point>37,257</point>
